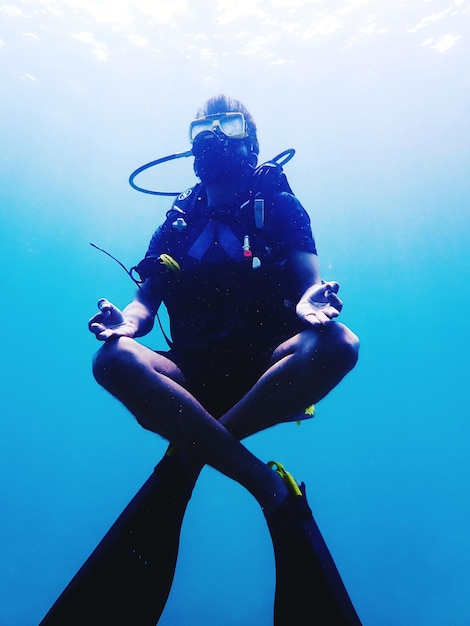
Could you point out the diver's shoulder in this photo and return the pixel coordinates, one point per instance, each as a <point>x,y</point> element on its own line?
<point>285,199</point>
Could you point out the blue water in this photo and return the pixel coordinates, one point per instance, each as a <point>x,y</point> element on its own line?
<point>375,100</point>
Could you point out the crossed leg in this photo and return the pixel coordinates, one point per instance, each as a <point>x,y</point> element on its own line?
<point>303,370</point>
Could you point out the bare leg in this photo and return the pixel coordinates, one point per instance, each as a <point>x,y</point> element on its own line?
<point>304,370</point>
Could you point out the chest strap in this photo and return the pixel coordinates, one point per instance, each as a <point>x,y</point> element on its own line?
<point>216,232</point>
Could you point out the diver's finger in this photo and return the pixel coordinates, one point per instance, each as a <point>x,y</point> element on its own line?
<point>332,312</point>
<point>105,306</point>
<point>331,286</point>
<point>110,314</point>
<point>326,314</point>
<point>334,301</point>
<point>95,327</point>
<point>96,319</point>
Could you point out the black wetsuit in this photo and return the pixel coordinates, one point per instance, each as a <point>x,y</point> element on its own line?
<point>227,311</point>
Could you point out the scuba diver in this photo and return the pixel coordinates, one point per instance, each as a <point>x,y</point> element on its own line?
<point>254,343</point>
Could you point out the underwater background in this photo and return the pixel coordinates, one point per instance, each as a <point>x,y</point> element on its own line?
<point>375,99</point>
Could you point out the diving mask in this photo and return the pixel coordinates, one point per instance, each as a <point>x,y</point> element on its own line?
<point>231,125</point>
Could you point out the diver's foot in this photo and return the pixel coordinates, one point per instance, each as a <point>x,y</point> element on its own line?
<point>293,512</point>
<point>273,492</point>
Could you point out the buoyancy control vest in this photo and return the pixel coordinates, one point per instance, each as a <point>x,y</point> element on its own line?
<point>246,296</point>
<point>185,217</point>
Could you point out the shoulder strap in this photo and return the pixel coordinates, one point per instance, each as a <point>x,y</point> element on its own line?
<point>269,179</point>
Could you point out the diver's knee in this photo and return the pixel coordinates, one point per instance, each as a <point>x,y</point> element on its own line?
<point>346,346</point>
<point>112,360</point>
<point>333,342</point>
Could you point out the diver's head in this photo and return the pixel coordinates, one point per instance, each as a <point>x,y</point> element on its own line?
<point>225,145</point>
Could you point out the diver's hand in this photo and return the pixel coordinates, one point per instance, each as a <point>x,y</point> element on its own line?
<point>110,322</point>
<point>320,304</point>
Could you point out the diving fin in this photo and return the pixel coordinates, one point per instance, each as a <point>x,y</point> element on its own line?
<point>309,588</point>
<point>127,578</point>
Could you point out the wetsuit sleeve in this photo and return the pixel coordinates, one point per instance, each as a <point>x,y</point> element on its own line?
<point>292,224</point>
<point>155,247</point>
<point>149,268</point>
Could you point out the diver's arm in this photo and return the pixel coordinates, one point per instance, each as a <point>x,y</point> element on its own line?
<point>136,320</point>
<point>319,303</point>
<point>140,314</point>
